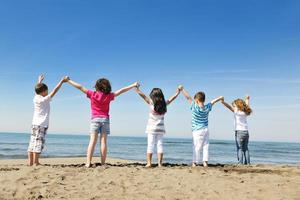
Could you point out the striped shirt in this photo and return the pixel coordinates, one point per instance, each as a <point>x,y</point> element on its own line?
<point>156,123</point>
<point>200,116</point>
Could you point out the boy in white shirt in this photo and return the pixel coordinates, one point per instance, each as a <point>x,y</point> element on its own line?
<point>40,120</point>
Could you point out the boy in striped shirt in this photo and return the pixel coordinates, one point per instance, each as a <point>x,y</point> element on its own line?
<point>200,113</point>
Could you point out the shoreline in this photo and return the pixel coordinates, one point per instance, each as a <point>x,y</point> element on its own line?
<point>167,137</point>
<point>68,178</point>
<point>81,160</point>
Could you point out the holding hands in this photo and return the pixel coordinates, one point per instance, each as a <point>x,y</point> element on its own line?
<point>65,79</point>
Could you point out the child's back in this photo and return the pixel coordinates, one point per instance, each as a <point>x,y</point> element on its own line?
<point>100,103</point>
<point>155,123</point>
<point>240,120</point>
<point>41,110</point>
<point>200,115</point>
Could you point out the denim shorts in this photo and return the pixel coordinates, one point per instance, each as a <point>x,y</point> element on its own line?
<point>100,125</point>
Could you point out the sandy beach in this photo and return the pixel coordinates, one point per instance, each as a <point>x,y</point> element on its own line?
<point>67,178</point>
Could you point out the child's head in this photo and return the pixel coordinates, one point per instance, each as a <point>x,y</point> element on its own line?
<point>241,105</point>
<point>103,85</point>
<point>199,97</point>
<point>158,100</point>
<point>41,89</point>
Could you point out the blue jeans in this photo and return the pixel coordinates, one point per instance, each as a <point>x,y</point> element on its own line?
<point>242,140</point>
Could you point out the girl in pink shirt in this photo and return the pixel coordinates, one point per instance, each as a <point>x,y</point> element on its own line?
<point>100,101</point>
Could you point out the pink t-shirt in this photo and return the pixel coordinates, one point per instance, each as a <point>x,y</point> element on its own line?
<point>100,103</point>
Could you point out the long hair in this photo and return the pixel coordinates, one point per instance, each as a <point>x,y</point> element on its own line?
<point>242,106</point>
<point>158,100</point>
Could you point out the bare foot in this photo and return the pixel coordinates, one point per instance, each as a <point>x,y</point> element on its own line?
<point>194,165</point>
<point>148,165</point>
<point>88,165</point>
<point>205,164</point>
<point>159,165</point>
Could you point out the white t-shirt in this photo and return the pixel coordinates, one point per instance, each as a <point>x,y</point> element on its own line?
<point>240,121</point>
<point>155,123</point>
<point>41,110</point>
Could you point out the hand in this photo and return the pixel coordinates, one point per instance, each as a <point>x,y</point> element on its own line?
<point>65,79</point>
<point>136,85</point>
<point>180,88</point>
<point>41,78</point>
<point>247,97</point>
<point>222,99</point>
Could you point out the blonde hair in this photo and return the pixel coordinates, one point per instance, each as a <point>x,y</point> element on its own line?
<point>242,106</point>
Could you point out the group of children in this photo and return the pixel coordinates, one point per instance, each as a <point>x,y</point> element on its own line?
<point>100,126</point>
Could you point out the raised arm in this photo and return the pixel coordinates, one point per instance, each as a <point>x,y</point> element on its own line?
<point>247,100</point>
<point>57,87</point>
<point>220,98</point>
<point>125,89</point>
<point>78,86</point>
<point>41,78</point>
<point>187,96</point>
<point>227,106</point>
<point>172,98</point>
<point>146,99</point>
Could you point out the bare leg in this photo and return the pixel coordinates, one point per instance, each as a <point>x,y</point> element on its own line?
<point>149,159</point>
<point>90,149</point>
<point>30,158</point>
<point>159,159</point>
<point>205,164</point>
<point>103,148</point>
<point>36,158</point>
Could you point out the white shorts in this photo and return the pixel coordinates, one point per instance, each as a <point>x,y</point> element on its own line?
<point>200,142</point>
<point>155,140</point>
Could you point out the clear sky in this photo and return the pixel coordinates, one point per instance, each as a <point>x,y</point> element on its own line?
<point>229,48</point>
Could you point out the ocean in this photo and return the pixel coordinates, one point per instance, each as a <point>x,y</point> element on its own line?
<point>176,150</point>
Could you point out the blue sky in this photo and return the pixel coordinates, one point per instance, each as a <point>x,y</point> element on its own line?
<point>229,48</point>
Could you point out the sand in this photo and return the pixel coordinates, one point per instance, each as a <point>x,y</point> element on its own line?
<point>67,178</point>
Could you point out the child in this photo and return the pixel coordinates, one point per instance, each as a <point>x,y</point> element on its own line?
<point>100,101</point>
<point>200,113</point>
<point>241,109</point>
<point>40,122</point>
<point>155,127</point>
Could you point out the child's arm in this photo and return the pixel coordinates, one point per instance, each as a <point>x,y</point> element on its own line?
<point>57,87</point>
<point>227,105</point>
<point>146,99</point>
<point>186,94</point>
<point>172,98</point>
<point>125,89</point>
<point>220,98</point>
<point>78,86</point>
<point>41,78</point>
<point>247,100</point>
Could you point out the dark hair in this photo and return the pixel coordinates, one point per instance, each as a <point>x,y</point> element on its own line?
<point>103,85</point>
<point>159,101</point>
<point>40,88</point>
<point>200,96</point>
